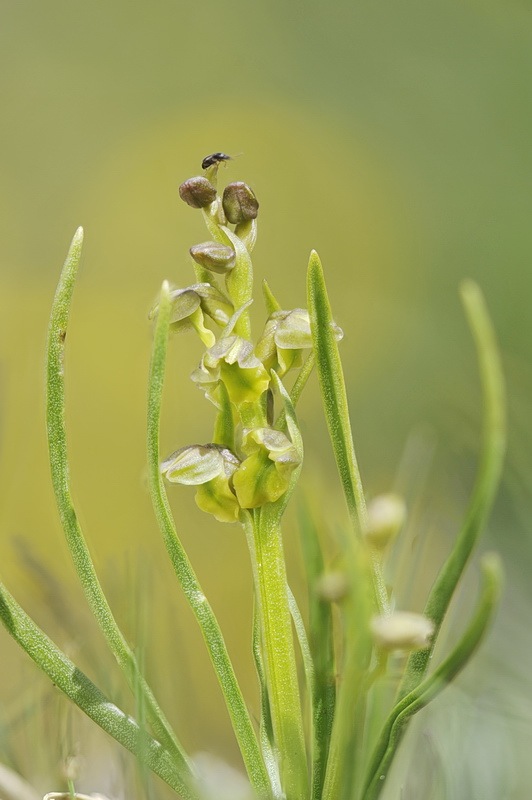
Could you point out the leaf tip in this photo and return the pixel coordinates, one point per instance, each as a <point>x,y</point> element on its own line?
<point>76,243</point>
<point>492,570</point>
<point>470,293</point>
<point>314,260</point>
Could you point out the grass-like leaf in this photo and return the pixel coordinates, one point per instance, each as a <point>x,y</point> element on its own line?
<point>203,612</point>
<point>306,656</point>
<point>432,685</point>
<point>347,735</point>
<point>75,684</point>
<point>334,398</point>
<point>266,729</point>
<point>487,480</point>
<point>57,443</point>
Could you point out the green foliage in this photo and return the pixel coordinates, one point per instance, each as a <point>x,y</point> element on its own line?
<point>314,740</point>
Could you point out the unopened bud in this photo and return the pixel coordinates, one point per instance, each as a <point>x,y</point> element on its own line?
<point>402,630</point>
<point>332,587</point>
<point>214,256</point>
<point>197,192</point>
<point>386,517</point>
<point>239,202</point>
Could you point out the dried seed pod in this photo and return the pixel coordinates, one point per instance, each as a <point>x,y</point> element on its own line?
<point>197,192</point>
<point>239,203</point>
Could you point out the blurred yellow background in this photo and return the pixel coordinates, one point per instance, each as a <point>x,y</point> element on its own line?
<point>394,139</point>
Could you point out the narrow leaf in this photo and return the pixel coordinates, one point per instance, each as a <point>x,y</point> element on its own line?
<point>266,730</point>
<point>322,650</point>
<point>203,612</point>
<point>308,665</point>
<point>431,686</point>
<point>270,301</point>
<point>334,398</point>
<point>57,444</point>
<point>487,480</point>
<point>70,680</point>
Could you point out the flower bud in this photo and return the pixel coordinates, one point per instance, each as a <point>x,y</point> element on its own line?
<point>214,256</point>
<point>239,203</point>
<point>197,192</point>
<point>402,630</point>
<point>386,517</point>
<point>332,587</point>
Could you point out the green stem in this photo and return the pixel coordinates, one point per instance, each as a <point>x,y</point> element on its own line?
<point>266,550</point>
<point>57,443</point>
<point>203,612</point>
<point>75,685</point>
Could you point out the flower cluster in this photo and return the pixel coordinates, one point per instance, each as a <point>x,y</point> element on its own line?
<point>252,459</point>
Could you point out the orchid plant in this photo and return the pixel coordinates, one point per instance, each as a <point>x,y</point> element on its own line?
<point>316,739</point>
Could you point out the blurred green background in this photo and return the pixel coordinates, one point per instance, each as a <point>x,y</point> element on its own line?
<point>392,137</point>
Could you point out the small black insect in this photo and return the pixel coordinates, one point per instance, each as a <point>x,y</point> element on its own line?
<point>214,158</point>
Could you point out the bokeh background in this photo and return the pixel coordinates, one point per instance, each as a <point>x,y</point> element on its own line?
<point>392,137</point>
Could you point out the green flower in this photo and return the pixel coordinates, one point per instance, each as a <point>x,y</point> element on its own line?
<point>232,361</point>
<point>264,476</point>
<point>210,468</point>
<point>192,304</point>
<point>286,335</point>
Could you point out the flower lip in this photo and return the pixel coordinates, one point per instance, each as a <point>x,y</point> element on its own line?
<point>195,464</point>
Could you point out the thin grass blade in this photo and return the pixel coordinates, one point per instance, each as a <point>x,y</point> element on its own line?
<point>57,444</point>
<point>431,686</point>
<point>236,706</point>
<point>266,729</point>
<point>487,480</point>
<point>321,644</point>
<point>334,398</point>
<point>75,684</point>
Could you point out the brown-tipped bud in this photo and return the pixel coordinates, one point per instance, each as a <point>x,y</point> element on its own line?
<point>239,202</point>
<point>214,256</point>
<point>197,192</point>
